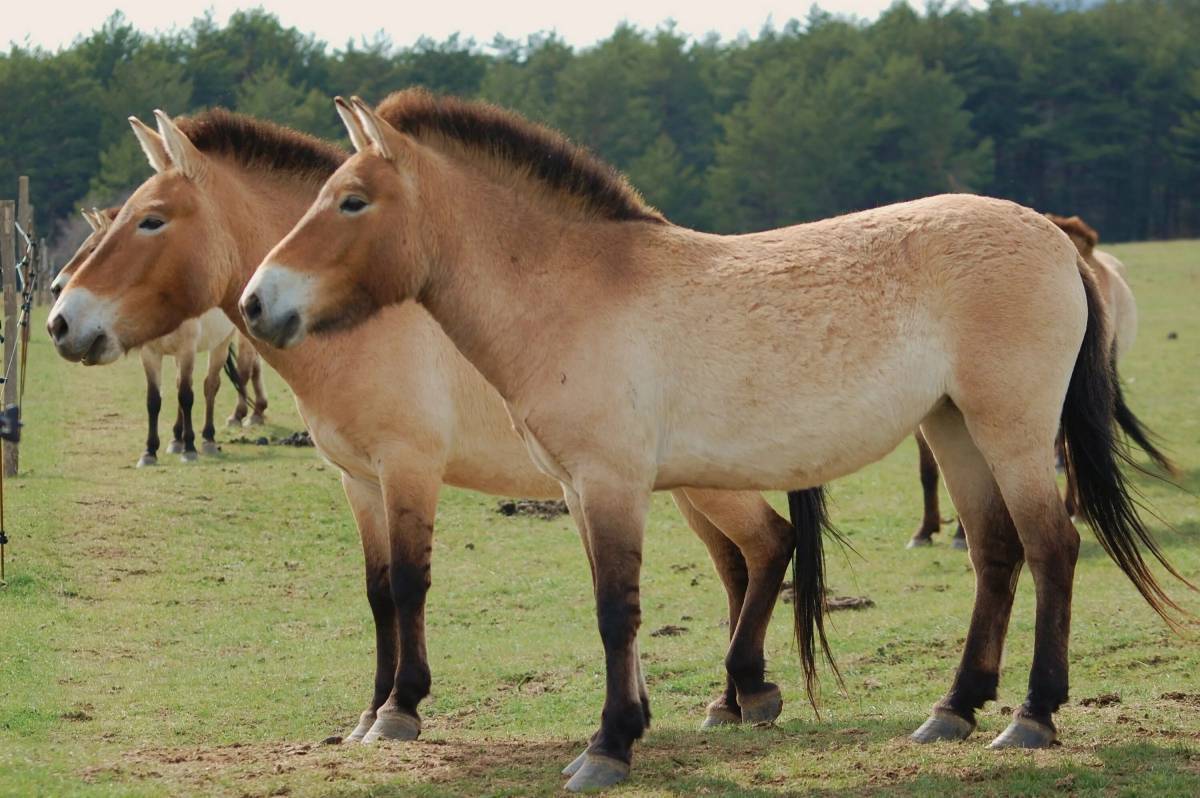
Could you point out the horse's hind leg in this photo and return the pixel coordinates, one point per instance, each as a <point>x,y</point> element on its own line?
<point>931,521</point>
<point>732,570</point>
<point>186,362</point>
<point>1023,465</point>
<point>258,417</point>
<point>212,383</point>
<point>152,363</point>
<point>766,543</point>
<point>996,556</point>
<point>246,356</point>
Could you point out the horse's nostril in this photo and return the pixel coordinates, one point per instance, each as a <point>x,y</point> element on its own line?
<point>252,308</point>
<point>59,328</point>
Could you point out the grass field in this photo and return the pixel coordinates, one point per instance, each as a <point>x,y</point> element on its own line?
<point>198,629</point>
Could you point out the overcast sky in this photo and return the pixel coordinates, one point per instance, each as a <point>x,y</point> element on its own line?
<point>55,24</point>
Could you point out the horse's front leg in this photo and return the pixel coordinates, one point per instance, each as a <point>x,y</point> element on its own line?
<point>366,502</point>
<point>152,363</point>
<point>212,384</point>
<point>410,500</point>
<point>614,513</point>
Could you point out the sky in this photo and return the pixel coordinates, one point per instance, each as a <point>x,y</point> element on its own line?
<point>57,24</point>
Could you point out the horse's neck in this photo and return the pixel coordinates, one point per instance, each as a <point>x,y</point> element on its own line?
<point>266,212</point>
<point>500,280</point>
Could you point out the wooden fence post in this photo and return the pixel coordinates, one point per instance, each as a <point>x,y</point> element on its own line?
<point>12,335</point>
<point>43,271</point>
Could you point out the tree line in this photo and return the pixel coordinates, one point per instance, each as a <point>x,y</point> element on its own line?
<point>1091,110</point>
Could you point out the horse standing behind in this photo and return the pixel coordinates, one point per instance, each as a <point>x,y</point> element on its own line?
<point>1114,291</point>
<point>211,333</point>
<point>636,355</point>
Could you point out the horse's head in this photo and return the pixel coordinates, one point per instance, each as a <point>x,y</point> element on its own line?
<point>1081,234</point>
<point>150,266</point>
<point>99,221</point>
<point>358,248</point>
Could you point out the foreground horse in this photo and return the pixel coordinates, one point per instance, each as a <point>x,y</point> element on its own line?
<point>392,404</point>
<point>636,355</point>
<point>210,333</point>
<point>1122,330</point>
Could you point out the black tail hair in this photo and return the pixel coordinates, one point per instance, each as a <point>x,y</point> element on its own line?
<point>810,521</point>
<point>232,373</point>
<point>1093,403</point>
<point>1136,430</point>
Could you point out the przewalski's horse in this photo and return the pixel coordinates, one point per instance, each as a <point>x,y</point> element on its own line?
<point>1121,308</point>
<point>210,333</point>
<point>226,189</point>
<point>636,355</point>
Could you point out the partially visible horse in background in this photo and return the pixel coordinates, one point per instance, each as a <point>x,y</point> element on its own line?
<point>1110,274</point>
<point>211,332</point>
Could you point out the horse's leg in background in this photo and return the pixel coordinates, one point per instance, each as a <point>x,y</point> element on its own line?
<point>1072,498</point>
<point>152,363</point>
<point>246,356</point>
<point>614,514</point>
<point>260,394</point>
<point>410,501</point>
<point>996,556</point>
<point>931,522</point>
<point>766,543</point>
<point>212,383</point>
<point>176,445</point>
<point>366,502</point>
<point>734,574</point>
<point>187,363</point>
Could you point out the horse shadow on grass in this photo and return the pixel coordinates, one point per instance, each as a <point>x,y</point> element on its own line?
<point>841,762</point>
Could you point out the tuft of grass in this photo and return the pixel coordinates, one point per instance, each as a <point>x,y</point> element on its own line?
<point>196,629</point>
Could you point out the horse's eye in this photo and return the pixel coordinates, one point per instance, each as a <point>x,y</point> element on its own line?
<point>352,204</point>
<point>151,223</point>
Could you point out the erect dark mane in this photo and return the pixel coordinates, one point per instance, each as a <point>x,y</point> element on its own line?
<point>545,154</point>
<point>258,144</point>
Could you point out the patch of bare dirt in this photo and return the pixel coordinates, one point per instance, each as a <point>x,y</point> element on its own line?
<point>1191,699</point>
<point>545,510</point>
<point>1102,700</point>
<point>670,630</point>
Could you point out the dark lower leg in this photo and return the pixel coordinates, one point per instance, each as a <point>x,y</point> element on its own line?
<point>186,399</point>
<point>260,393</point>
<point>622,721</point>
<point>931,521</point>
<point>1053,574</point>
<point>177,428</point>
<point>211,384</point>
<point>412,539</point>
<point>383,610</point>
<point>996,554</point>
<point>745,662</point>
<point>153,406</point>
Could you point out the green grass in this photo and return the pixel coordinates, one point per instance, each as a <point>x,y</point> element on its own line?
<point>195,629</point>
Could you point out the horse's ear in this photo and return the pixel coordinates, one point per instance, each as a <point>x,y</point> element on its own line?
<point>152,144</point>
<point>103,220</point>
<point>353,127</point>
<point>92,221</point>
<point>375,128</point>
<point>184,155</point>
<point>1080,232</point>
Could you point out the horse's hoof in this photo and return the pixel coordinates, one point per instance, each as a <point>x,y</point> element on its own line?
<point>597,772</point>
<point>720,716</point>
<point>391,724</point>
<point>147,460</point>
<point>762,708</point>
<point>576,764</point>
<point>255,420</point>
<point>210,448</point>
<point>189,457</point>
<point>365,721</point>
<point>174,447</point>
<point>1025,733</point>
<point>958,543</point>
<point>233,421</point>
<point>943,726</point>
<point>919,541</point>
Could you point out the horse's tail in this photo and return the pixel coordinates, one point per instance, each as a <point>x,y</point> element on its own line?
<point>1136,430</point>
<point>231,371</point>
<point>1093,409</point>
<point>810,522</point>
